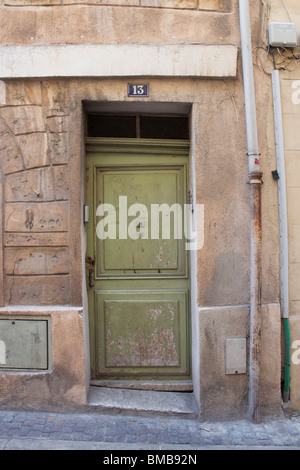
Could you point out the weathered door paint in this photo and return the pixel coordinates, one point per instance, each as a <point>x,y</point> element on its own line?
<point>137,281</point>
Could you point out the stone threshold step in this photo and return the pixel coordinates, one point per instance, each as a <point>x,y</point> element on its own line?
<point>157,385</point>
<point>142,402</point>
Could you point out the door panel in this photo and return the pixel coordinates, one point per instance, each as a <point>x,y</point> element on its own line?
<point>139,252</point>
<point>139,290</point>
<point>142,332</point>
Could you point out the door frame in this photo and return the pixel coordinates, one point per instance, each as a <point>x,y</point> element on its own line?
<point>189,109</point>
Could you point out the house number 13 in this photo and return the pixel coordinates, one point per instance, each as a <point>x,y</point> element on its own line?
<point>138,89</point>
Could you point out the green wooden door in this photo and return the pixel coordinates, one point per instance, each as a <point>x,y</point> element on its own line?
<point>137,264</point>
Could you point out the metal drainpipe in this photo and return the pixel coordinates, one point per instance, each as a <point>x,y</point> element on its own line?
<point>255,179</point>
<point>282,203</point>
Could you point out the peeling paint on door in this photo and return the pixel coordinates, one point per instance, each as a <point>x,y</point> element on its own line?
<point>150,336</point>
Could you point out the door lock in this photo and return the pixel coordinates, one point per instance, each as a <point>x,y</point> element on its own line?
<point>91,263</point>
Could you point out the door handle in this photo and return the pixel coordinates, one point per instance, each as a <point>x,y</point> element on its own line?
<point>91,263</point>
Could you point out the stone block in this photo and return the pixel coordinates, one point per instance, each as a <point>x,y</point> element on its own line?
<point>277,10</point>
<point>294,281</point>
<point>22,3</point>
<point>190,4</point>
<point>294,243</point>
<point>225,5</point>
<point>208,4</point>
<point>107,60</point>
<point>61,182</point>
<point>36,217</point>
<point>58,148</point>
<point>42,184</point>
<point>291,137</point>
<point>37,290</point>
<point>24,119</point>
<point>23,92</point>
<point>10,154</point>
<point>57,123</point>
<point>126,3</point>
<point>33,148</point>
<point>36,239</point>
<point>292,168</point>
<point>290,95</point>
<point>55,96</point>
<point>294,306</point>
<point>215,5</point>
<point>33,261</point>
<point>2,93</point>
<point>293,206</point>
<point>295,361</point>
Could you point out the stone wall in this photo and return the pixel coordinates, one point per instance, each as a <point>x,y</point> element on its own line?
<point>211,5</point>
<point>287,61</point>
<point>290,89</point>
<point>34,156</point>
<point>111,24</point>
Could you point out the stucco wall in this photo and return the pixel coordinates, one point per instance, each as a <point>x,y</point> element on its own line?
<point>63,385</point>
<point>43,161</point>
<point>35,257</point>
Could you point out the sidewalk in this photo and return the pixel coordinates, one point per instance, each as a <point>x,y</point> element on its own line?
<point>96,431</point>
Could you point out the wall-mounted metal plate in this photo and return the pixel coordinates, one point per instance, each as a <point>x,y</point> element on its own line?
<point>138,90</point>
<point>23,344</point>
<point>236,362</point>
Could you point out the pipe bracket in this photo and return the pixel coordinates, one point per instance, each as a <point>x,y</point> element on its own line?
<point>255,177</point>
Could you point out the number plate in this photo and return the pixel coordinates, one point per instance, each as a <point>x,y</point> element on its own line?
<point>138,90</point>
